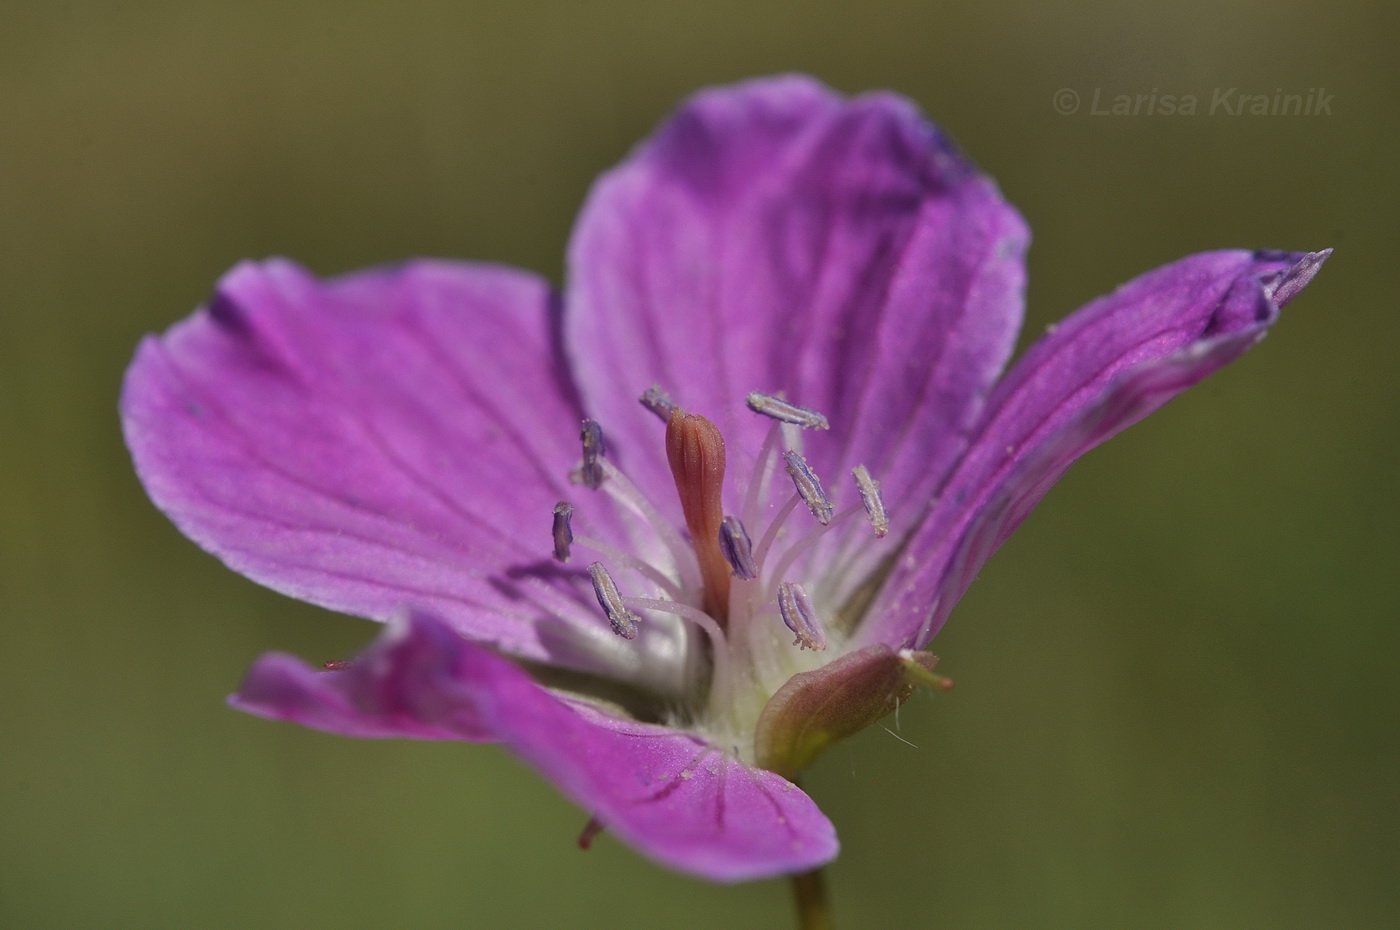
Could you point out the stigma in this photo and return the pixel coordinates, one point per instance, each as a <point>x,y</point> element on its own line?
<point>695,451</point>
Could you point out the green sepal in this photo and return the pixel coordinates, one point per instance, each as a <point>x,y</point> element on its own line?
<point>816,709</point>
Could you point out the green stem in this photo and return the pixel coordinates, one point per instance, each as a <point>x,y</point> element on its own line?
<point>809,894</point>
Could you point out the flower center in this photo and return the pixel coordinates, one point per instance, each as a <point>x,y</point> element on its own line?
<point>747,616</point>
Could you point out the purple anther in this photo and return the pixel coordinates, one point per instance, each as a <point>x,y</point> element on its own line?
<point>801,617</point>
<point>591,472</point>
<point>656,400</point>
<point>563,530</point>
<point>874,504</point>
<point>809,486</point>
<point>624,622</point>
<point>785,412</point>
<point>734,542</point>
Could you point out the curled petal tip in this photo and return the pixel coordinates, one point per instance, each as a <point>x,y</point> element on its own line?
<point>1297,277</point>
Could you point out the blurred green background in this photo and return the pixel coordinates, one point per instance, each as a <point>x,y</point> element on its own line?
<point>1176,701</point>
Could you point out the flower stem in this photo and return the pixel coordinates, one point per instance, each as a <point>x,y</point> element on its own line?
<point>809,894</point>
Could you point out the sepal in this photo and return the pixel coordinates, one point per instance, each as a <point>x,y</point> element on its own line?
<point>816,709</point>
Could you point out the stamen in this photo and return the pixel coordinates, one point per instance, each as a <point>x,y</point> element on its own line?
<point>809,486</point>
<point>798,548</point>
<point>621,489</point>
<point>694,614</point>
<point>770,535</point>
<point>734,542</point>
<point>762,478</point>
<point>695,451</point>
<point>563,530</point>
<point>591,472</point>
<point>618,556</point>
<point>656,400</point>
<point>874,504</point>
<point>624,622</point>
<point>801,616</point>
<point>785,412</point>
<point>792,436</point>
<point>719,650</point>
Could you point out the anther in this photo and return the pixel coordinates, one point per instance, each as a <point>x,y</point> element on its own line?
<point>591,472</point>
<point>785,412</point>
<point>734,542</point>
<point>656,400</point>
<point>809,486</point>
<point>563,530</point>
<point>624,622</point>
<point>874,504</point>
<point>695,452</point>
<point>801,617</point>
<point>590,830</point>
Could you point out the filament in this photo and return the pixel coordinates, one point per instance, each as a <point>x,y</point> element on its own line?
<point>622,490</point>
<point>621,557</point>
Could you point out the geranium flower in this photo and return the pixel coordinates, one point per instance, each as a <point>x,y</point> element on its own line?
<point>814,299</point>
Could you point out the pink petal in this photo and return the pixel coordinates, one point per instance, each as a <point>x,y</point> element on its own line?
<point>669,794</point>
<point>680,801</point>
<point>774,236</point>
<point>412,683</point>
<point>397,436</point>
<point>1104,368</point>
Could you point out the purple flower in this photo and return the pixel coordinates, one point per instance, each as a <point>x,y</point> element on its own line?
<point>814,299</point>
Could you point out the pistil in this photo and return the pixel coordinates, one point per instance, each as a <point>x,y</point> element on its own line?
<point>695,450</point>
